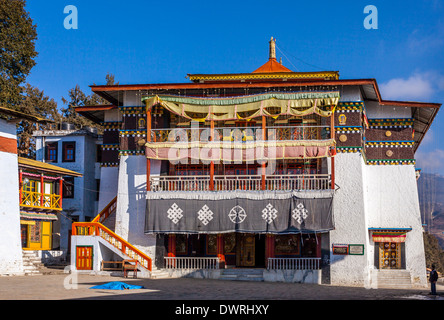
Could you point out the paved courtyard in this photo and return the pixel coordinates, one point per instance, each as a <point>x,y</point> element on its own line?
<point>61,287</point>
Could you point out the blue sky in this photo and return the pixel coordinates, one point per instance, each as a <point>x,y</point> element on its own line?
<point>161,41</point>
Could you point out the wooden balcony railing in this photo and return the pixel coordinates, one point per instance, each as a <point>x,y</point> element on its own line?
<point>97,229</point>
<point>40,201</point>
<point>241,182</point>
<point>241,133</point>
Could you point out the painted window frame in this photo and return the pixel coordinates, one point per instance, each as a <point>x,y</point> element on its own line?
<point>68,146</point>
<point>51,146</point>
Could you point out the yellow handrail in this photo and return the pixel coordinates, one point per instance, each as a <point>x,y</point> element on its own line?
<point>41,201</point>
<point>97,229</point>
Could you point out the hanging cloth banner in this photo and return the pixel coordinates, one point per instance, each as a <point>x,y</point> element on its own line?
<point>249,212</point>
<point>247,107</point>
<point>389,236</point>
<point>230,151</point>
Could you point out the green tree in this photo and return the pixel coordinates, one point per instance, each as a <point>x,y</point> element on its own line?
<point>77,98</point>
<point>34,102</point>
<point>433,252</point>
<point>17,50</point>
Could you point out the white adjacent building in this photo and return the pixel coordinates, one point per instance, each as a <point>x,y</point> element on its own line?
<point>78,150</point>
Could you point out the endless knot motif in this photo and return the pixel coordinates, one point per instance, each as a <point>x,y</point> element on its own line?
<point>300,213</point>
<point>237,214</point>
<point>269,213</point>
<point>175,213</point>
<point>205,215</point>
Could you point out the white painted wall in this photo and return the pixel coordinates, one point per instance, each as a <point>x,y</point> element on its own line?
<point>11,261</point>
<point>392,202</point>
<point>349,219</point>
<point>131,204</point>
<point>109,177</point>
<point>374,197</point>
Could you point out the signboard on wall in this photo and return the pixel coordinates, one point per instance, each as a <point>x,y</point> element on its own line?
<point>356,249</point>
<point>348,249</point>
<point>340,249</point>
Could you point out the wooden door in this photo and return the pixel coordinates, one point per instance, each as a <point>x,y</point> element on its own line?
<point>389,255</point>
<point>45,235</point>
<point>84,257</point>
<point>246,250</point>
<point>24,235</point>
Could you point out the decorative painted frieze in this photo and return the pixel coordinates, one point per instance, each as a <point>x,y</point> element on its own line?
<point>109,164</point>
<point>357,106</point>
<point>396,144</point>
<point>110,146</point>
<point>131,152</point>
<point>391,162</point>
<point>132,111</point>
<point>111,125</point>
<point>391,123</point>
<point>348,149</point>
<point>132,133</point>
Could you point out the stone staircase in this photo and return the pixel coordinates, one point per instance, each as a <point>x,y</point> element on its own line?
<point>241,274</point>
<point>158,273</point>
<point>32,263</point>
<point>33,266</point>
<point>393,279</point>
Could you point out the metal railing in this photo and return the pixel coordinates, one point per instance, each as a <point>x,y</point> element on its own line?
<point>191,263</point>
<point>294,263</point>
<point>241,182</point>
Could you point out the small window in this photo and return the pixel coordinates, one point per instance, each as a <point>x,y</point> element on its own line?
<point>69,152</point>
<point>68,187</point>
<point>51,152</point>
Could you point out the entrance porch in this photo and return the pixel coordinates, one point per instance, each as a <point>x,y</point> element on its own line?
<point>239,250</point>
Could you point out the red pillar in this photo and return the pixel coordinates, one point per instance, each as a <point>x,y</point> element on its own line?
<point>148,139</point>
<point>20,184</point>
<point>41,189</point>
<point>264,125</point>
<point>269,247</point>
<point>212,162</point>
<point>220,250</point>
<point>171,245</point>
<point>332,130</point>
<point>61,191</point>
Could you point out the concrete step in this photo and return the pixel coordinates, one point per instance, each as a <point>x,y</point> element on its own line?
<point>158,273</point>
<point>240,274</point>
<point>396,279</point>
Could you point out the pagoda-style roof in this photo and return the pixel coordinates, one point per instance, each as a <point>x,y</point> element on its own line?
<point>272,66</point>
<point>271,70</point>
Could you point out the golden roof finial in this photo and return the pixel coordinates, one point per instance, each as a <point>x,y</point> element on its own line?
<point>272,49</point>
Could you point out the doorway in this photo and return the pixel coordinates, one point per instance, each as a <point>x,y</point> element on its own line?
<point>250,250</point>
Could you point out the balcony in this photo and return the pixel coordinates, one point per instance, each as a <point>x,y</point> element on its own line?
<point>40,201</point>
<point>241,182</point>
<point>241,134</point>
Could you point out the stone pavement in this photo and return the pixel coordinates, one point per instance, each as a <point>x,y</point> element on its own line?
<point>60,287</point>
